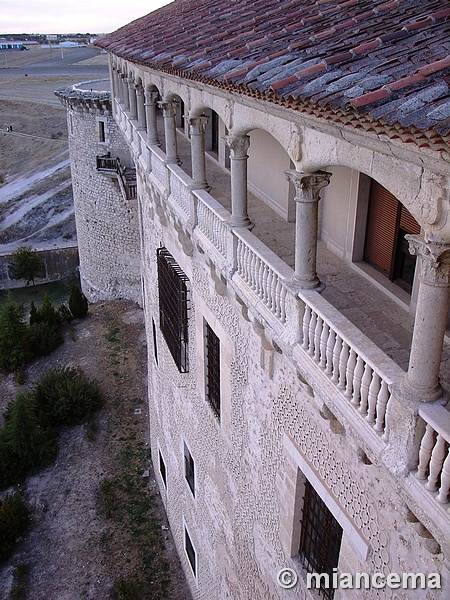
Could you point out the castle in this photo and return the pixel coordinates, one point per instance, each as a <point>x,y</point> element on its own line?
<point>270,181</point>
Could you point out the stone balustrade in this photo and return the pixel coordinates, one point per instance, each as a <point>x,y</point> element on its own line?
<point>434,454</point>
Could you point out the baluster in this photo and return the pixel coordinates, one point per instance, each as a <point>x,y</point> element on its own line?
<point>357,376</point>
<point>351,364</point>
<point>387,423</point>
<point>330,346</point>
<point>444,490</point>
<point>306,320</point>
<point>343,359</point>
<point>426,446</point>
<point>323,345</point>
<point>279,294</point>
<point>365,382</point>
<point>271,291</point>
<point>265,276</point>
<point>374,388</point>
<point>336,354</point>
<point>312,330</point>
<point>382,401</point>
<point>253,271</point>
<point>282,300</point>
<point>317,337</point>
<point>436,462</point>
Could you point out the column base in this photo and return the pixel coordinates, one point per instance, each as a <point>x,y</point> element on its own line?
<point>235,223</point>
<point>420,394</point>
<point>309,284</point>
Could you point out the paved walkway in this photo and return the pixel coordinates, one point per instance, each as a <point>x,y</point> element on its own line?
<point>381,319</point>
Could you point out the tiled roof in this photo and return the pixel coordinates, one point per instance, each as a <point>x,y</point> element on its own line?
<point>381,65</point>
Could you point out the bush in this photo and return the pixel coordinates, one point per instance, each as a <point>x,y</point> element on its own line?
<point>43,338</point>
<point>26,443</point>
<point>46,314</point>
<point>14,518</point>
<point>13,354</point>
<point>66,395</point>
<point>78,303</point>
<point>64,314</point>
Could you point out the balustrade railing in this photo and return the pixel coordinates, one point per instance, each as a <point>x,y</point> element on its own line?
<point>263,271</point>
<point>212,220</point>
<point>434,453</point>
<point>361,379</point>
<point>179,189</point>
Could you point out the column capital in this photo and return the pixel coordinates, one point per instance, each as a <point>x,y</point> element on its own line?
<point>308,185</point>
<point>238,145</point>
<point>169,108</point>
<point>151,97</point>
<point>435,263</point>
<point>197,125</point>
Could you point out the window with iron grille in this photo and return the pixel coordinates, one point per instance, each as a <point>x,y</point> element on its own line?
<point>190,551</point>
<point>173,307</point>
<point>320,538</point>
<point>212,369</point>
<point>189,469</point>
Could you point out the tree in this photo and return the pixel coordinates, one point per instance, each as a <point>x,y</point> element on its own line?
<point>78,303</point>
<point>26,264</point>
<point>13,330</point>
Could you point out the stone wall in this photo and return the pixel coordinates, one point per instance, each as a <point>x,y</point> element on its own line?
<point>106,221</point>
<point>58,263</point>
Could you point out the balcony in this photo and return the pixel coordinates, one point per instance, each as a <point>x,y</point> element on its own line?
<point>353,340</point>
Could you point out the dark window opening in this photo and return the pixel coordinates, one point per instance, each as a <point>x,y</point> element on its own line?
<point>155,346</point>
<point>215,133</point>
<point>189,469</point>
<point>101,131</point>
<point>162,468</point>
<point>173,307</point>
<point>190,551</point>
<point>213,370</point>
<point>320,539</point>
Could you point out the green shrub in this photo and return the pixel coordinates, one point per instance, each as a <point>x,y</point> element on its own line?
<point>64,313</point>
<point>47,313</point>
<point>26,442</point>
<point>13,353</point>
<point>78,303</point>
<point>14,518</point>
<point>66,395</point>
<point>43,338</point>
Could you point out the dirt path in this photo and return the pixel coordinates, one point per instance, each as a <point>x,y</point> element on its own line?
<point>97,516</point>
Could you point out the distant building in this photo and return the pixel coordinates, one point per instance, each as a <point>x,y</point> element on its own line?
<point>12,45</point>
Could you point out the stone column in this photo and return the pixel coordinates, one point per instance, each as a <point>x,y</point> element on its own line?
<point>307,189</point>
<point>197,127</point>
<point>239,145</point>
<point>132,97</point>
<point>142,124</point>
<point>151,99</point>
<point>126,96</point>
<point>170,131</point>
<point>421,382</point>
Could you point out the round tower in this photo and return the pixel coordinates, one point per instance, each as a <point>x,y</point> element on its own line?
<point>105,196</point>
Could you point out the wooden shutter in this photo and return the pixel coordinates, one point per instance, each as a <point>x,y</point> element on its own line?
<point>381,228</point>
<point>408,222</point>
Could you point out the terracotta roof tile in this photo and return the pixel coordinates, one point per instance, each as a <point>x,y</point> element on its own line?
<point>359,61</point>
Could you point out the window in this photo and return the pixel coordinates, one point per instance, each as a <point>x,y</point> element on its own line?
<point>212,369</point>
<point>173,307</point>
<point>320,540</point>
<point>101,131</point>
<point>189,469</point>
<point>190,552</point>
<point>162,468</point>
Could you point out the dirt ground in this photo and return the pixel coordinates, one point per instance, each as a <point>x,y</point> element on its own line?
<point>83,540</point>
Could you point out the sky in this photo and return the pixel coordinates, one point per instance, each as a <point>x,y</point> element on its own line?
<point>80,16</point>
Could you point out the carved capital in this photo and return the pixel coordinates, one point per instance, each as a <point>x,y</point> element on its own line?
<point>308,185</point>
<point>169,109</point>
<point>197,125</point>
<point>238,145</point>
<point>151,98</point>
<point>435,264</point>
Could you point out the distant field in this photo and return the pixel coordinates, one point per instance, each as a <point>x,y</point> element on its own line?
<point>19,58</point>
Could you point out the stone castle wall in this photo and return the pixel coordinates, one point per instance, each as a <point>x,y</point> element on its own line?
<point>107,222</point>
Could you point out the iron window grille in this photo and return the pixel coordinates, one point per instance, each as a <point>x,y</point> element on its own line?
<point>173,307</point>
<point>213,370</point>
<point>320,539</point>
<point>190,551</point>
<point>189,469</point>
